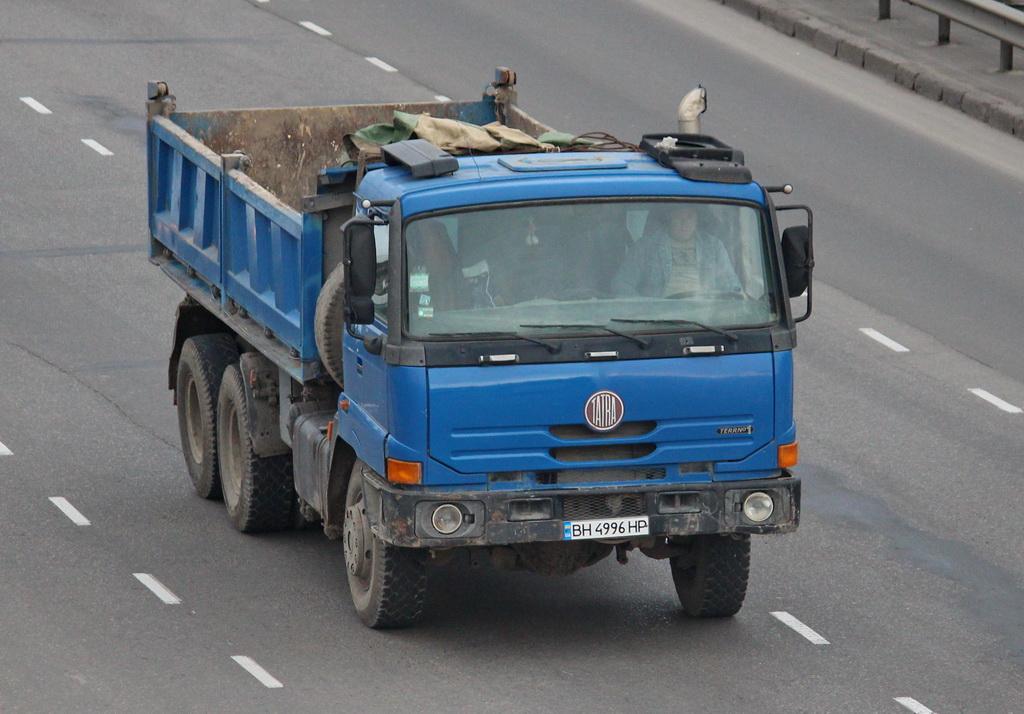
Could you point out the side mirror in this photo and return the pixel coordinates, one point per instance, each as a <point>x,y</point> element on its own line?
<point>798,259</point>
<point>360,270</point>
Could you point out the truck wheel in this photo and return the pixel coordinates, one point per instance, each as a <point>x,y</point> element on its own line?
<point>711,581</point>
<point>388,583</point>
<point>200,368</point>
<point>329,323</point>
<point>258,492</point>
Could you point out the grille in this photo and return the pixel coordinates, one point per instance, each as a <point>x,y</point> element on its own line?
<point>623,431</point>
<point>602,452</point>
<point>583,476</point>
<point>617,505</point>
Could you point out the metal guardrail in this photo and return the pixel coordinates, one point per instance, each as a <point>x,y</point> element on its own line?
<point>1001,20</point>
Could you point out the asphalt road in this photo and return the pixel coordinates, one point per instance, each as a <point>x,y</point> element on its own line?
<point>908,561</point>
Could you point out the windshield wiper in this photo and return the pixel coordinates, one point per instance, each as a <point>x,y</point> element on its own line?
<point>549,346</point>
<point>693,323</point>
<point>639,340</point>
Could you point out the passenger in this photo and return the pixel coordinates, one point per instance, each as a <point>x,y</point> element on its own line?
<point>675,256</point>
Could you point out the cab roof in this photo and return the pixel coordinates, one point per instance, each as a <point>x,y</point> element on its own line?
<point>505,178</point>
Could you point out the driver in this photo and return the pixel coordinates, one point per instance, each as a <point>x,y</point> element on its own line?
<point>531,258</point>
<point>675,256</point>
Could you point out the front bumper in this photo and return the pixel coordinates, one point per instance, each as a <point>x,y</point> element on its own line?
<point>401,515</point>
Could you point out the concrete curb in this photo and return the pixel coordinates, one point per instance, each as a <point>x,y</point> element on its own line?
<point>860,52</point>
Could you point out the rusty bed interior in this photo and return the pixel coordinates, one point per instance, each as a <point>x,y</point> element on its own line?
<point>289,147</point>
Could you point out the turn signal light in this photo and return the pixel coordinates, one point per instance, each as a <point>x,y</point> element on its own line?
<point>408,472</point>
<point>789,455</point>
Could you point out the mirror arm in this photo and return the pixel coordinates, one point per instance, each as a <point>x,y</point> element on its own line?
<point>374,344</point>
<point>810,302</point>
<point>810,267</point>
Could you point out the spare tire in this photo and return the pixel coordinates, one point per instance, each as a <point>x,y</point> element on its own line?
<point>329,323</point>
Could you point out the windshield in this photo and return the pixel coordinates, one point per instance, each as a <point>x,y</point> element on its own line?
<point>588,268</point>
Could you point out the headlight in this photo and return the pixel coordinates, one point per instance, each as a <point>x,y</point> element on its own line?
<point>758,507</point>
<point>447,519</point>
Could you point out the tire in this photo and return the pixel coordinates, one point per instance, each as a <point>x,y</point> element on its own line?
<point>200,368</point>
<point>258,492</point>
<point>329,323</point>
<point>712,580</point>
<point>388,583</point>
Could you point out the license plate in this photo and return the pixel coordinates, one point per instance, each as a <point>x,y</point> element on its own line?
<point>606,528</point>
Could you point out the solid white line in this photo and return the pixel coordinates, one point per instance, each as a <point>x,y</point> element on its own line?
<point>36,105</point>
<point>786,619</point>
<point>993,399</point>
<point>442,98</point>
<point>70,511</point>
<point>913,705</point>
<point>4,451</point>
<point>879,337</point>
<point>381,63</point>
<point>250,666</point>
<point>313,27</point>
<point>97,147</point>
<point>158,588</point>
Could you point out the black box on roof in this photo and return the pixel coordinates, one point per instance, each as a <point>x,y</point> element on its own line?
<point>423,159</point>
<point>688,146</point>
<point>697,157</point>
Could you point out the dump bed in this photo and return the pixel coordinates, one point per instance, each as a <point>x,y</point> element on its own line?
<point>243,212</point>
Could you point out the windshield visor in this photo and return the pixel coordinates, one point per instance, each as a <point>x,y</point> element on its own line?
<point>585,268</point>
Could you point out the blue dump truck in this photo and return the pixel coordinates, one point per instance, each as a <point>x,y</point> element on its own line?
<point>446,333</point>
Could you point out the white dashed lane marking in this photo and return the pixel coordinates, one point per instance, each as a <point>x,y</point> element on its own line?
<point>250,666</point>
<point>913,705</point>
<point>789,621</point>
<point>158,588</point>
<point>996,401</point>
<point>97,147</point>
<point>36,105</point>
<point>376,62</point>
<point>70,511</point>
<point>882,339</point>
<point>313,27</point>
